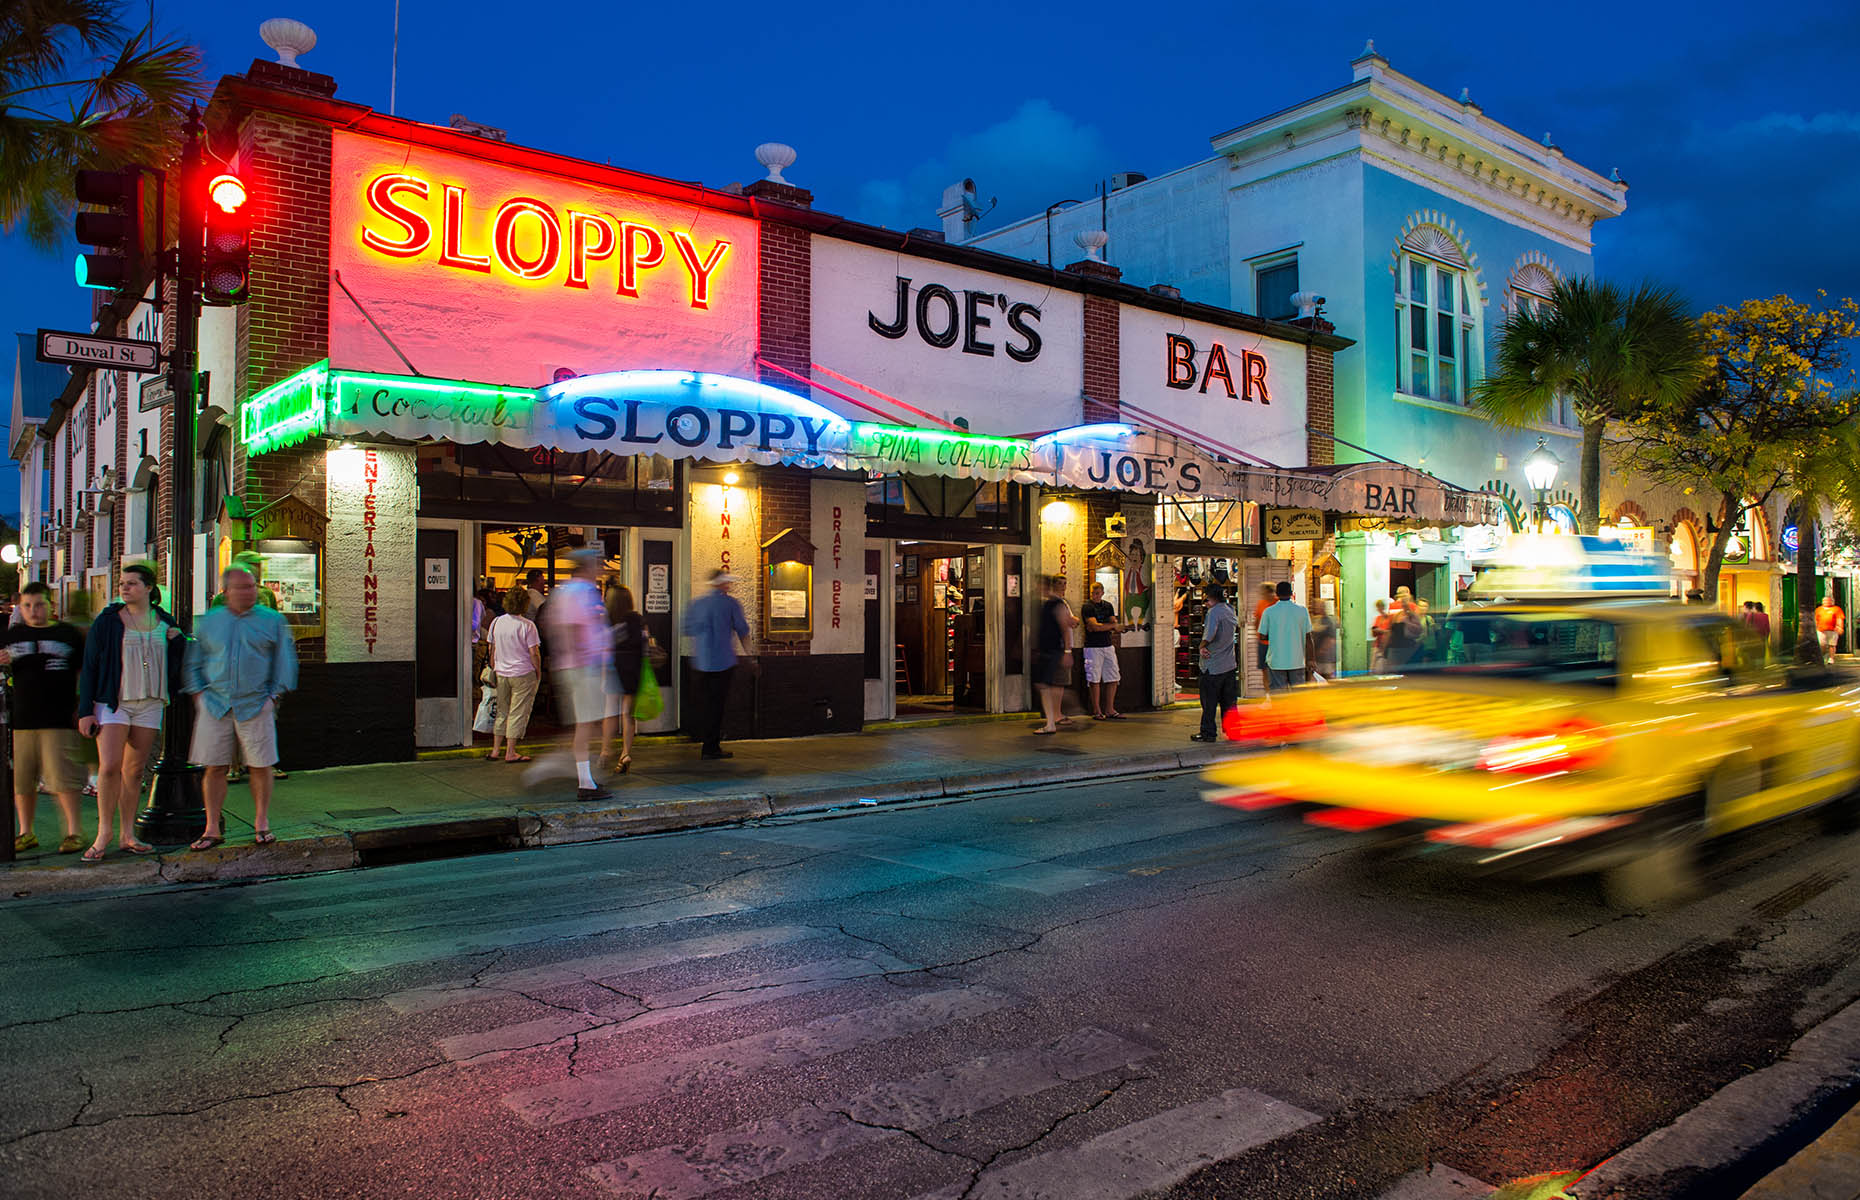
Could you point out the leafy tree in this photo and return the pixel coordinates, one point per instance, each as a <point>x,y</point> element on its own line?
<point>1768,419</point>
<point>79,90</point>
<point>1611,352</point>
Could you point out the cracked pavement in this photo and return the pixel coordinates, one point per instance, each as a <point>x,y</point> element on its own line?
<point>932,1000</point>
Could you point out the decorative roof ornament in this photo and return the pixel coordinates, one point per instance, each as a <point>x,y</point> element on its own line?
<point>775,156</point>
<point>288,37</point>
<point>1092,241</point>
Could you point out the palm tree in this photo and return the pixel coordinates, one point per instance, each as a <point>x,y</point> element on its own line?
<point>1610,352</point>
<point>78,91</point>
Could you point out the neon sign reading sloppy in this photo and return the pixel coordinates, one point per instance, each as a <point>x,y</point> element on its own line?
<point>529,240</point>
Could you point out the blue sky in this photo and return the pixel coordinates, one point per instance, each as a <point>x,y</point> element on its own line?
<point>1736,124</point>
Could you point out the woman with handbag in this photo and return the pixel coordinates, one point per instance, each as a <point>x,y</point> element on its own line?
<point>629,650</point>
<point>516,659</point>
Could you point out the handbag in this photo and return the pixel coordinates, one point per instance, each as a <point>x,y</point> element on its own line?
<point>648,703</point>
<point>486,720</point>
<point>656,657</point>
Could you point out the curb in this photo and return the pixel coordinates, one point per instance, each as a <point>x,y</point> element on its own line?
<point>1746,1129</point>
<point>527,828</point>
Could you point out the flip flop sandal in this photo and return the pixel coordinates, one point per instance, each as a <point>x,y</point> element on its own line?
<point>139,848</point>
<point>264,837</point>
<point>1045,732</point>
<point>93,855</point>
<point>206,842</point>
<point>521,758</point>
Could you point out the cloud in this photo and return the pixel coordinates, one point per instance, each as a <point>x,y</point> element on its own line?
<point>1751,208</point>
<point>1026,161</point>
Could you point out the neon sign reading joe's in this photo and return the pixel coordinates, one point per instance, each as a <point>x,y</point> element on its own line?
<point>527,239</point>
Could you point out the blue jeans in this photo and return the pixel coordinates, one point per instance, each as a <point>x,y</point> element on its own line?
<point>1220,691</point>
<point>1278,681</point>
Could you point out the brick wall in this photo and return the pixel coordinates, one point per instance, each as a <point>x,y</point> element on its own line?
<point>119,536</point>
<point>1321,410</point>
<point>787,502</point>
<point>284,327</point>
<point>786,324</point>
<point>1102,347</point>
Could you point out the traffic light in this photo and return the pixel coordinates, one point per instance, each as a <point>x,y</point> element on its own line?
<point>226,263</point>
<point>115,232</point>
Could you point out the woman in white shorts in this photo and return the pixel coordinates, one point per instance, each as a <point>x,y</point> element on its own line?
<point>131,668</point>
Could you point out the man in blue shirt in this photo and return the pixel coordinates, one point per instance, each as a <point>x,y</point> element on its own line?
<point>715,624</point>
<point>1286,626</point>
<point>1220,690</point>
<point>241,660</point>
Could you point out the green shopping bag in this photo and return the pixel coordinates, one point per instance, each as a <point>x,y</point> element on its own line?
<point>648,703</point>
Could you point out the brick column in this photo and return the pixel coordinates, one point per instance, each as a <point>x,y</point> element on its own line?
<point>284,327</point>
<point>1102,347</point>
<point>1321,410</point>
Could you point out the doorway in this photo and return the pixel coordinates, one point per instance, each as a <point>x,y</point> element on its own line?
<point>941,654</point>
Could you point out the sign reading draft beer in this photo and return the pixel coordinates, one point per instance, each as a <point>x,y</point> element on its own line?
<point>1293,524</point>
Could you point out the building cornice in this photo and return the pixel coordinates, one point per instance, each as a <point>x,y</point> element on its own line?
<point>1448,144</point>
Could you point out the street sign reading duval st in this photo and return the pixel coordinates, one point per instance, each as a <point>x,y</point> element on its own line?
<point>89,350</point>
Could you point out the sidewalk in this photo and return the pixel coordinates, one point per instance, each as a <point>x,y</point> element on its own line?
<point>460,804</point>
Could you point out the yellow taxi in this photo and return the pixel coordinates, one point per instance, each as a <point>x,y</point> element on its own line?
<point>1569,719</point>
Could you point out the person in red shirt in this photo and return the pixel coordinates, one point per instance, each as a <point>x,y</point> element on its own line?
<point>1830,624</point>
<point>1268,596</point>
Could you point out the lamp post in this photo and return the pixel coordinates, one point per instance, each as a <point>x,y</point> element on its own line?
<point>1540,472</point>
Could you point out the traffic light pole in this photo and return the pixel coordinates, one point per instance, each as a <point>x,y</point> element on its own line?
<point>176,812</point>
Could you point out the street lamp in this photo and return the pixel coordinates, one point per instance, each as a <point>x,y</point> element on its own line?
<point>1540,472</point>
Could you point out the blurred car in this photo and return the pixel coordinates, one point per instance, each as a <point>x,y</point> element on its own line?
<point>1574,721</point>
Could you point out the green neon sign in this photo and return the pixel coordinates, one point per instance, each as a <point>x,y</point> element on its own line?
<point>451,408</point>
<point>936,451</point>
<point>286,413</point>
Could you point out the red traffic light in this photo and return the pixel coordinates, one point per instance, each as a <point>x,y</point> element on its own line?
<point>227,191</point>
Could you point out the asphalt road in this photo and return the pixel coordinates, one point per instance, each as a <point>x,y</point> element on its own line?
<point>1085,993</point>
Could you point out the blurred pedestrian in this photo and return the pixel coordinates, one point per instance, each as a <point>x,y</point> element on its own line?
<point>1760,621</point>
<point>1052,653</point>
<point>1101,673</point>
<point>1324,641</point>
<point>533,582</point>
<point>629,650</point>
<point>1288,629</point>
<point>44,656</point>
<point>1404,630</point>
<point>1830,624</point>
<point>578,648</point>
<point>132,666</point>
<point>1220,691</point>
<point>242,661</point>
<point>1267,598</point>
<point>516,666</point>
<point>1379,634</point>
<point>716,625</point>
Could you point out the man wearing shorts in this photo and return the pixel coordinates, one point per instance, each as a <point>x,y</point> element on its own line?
<point>243,658</point>
<point>579,649</point>
<point>1830,623</point>
<point>44,655</point>
<point>1101,674</point>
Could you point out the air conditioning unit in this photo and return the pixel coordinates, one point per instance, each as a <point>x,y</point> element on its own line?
<point>1124,179</point>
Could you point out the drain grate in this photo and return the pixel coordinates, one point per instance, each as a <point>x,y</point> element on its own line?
<point>344,813</point>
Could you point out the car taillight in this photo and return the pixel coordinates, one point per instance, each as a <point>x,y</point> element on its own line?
<point>1272,724</point>
<point>1571,746</point>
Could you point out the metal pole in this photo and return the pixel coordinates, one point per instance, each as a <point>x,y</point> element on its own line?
<point>176,812</point>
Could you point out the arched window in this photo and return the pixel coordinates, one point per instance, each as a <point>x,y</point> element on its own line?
<point>1530,290</point>
<point>1434,318</point>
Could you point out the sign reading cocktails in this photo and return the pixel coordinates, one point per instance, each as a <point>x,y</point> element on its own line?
<point>478,270</point>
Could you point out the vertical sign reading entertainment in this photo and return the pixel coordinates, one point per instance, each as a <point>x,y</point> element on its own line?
<point>373,574</point>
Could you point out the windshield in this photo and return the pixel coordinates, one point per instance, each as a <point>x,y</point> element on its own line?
<point>1554,647</point>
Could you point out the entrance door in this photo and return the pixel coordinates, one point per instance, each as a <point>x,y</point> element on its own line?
<point>441,649</point>
<point>940,660</point>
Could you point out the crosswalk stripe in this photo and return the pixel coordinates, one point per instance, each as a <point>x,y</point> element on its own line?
<point>386,950</point>
<point>593,1093</point>
<point>811,1133</point>
<point>595,967</point>
<point>1438,1182</point>
<point>1145,1156</point>
<point>685,1003</point>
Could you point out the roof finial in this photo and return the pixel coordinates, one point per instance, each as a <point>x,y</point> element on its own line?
<point>1547,140</point>
<point>1465,95</point>
<point>1369,48</point>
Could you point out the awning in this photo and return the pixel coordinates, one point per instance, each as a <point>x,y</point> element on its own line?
<point>720,418</point>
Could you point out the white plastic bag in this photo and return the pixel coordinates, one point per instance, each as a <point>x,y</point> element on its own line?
<point>486,720</point>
